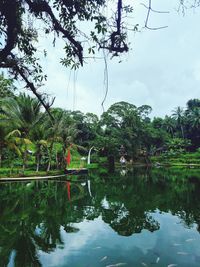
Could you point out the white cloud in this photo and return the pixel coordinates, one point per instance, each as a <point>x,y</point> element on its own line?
<point>89,231</point>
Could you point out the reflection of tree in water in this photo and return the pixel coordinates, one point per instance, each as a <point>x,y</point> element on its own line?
<point>31,217</point>
<point>32,214</point>
<point>129,215</point>
<point>131,199</point>
<point>128,223</point>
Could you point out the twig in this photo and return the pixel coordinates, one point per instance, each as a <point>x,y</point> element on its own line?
<point>105,79</point>
<point>149,9</point>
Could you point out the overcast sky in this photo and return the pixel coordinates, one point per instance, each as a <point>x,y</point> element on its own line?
<point>162,69</point>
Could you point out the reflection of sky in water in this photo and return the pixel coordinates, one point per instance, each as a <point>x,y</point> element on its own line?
<point>120,209</point>
<point>171,244</point>
<point>12,258</point>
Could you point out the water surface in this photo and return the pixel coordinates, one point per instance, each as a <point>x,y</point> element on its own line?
<point>140,218</point>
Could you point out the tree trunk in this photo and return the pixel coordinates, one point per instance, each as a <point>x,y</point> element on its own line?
<point>57,163</point>
<point>24,160</point>
<point>50,156</point>
<point>37,166</point>
<point>111,163</point>
<point>182,131</point>
<point>49,166</point>
<point>172,133</point>
<point>11,168</point>
<point>38,158</point>
<point>63,161</point>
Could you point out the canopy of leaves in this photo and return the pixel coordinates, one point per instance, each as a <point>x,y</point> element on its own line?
<point>6,87</point>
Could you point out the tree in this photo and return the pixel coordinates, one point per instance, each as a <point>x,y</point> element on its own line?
<point>169,125</point>
<point>194,118</point>
<point>193,104</point>
<point>124,124</point>
<point>52,133</point>
<point>178,145</point>
<point>93,128</point>
<point>38,137</point>
<point>13,143</point>
<point>144,111</point>
<point>178,115</point>
<point>24,113</point>
<point>193,122</point>
<point>154,139</point>
<point>157,122</point>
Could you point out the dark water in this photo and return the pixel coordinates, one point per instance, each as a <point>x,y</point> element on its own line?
<point>145,218</point>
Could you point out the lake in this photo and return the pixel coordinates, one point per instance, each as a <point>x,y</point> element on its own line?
<point>143,217</point>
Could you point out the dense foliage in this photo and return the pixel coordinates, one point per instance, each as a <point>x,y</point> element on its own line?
<point>29,137</point>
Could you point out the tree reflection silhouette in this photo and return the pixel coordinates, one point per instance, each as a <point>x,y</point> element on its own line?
<point>32,215</point>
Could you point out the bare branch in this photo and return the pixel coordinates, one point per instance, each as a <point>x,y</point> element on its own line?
<point>149,9</point>
<point>153,10</point>
<point>31,86</point>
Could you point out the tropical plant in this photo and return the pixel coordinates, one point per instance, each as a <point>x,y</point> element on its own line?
<point>6,87</point>
<point>19,144</point>
<point>178,145</point>
<point>178,115</point>
<point>169,125</point>
<point>23,112</point>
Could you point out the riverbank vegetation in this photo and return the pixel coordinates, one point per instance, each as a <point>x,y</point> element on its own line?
<point>31,140</point>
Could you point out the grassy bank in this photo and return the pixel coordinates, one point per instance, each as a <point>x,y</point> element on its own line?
<point>184,159</point>
<point>191,160</point>
<point>17,172</point>
<point>7,172</point>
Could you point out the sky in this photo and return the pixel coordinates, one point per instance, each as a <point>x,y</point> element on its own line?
<point>161,69</point>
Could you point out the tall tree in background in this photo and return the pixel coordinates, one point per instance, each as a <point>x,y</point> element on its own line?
<point>193,122</point>
<point>178,115</point>
<point>169,125</point>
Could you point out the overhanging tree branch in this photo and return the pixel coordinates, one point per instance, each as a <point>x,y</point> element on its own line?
<point>116,41</point>
<point>9,12</point>
<point>149,10</point>
<point>42,6</point>
<point>31,86</point>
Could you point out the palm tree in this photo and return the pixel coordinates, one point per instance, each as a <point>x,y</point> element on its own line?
<point>178,115</point>
<point>15,142</point>
<point>23,112</point>
<point>38,137</point>
<point>194,118</point>
<point>193,104</point>
<point>169,125</point>
<point>194,127</point>
<point>3,133</point>
<point>52,133</point>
